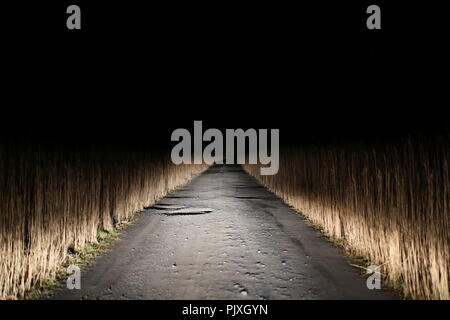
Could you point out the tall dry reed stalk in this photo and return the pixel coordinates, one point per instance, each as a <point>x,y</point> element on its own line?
<point>389,203</point>
<point>53,199</point>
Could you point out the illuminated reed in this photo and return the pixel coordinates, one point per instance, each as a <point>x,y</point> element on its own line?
<point>388,202</point>
<point>53,199</point>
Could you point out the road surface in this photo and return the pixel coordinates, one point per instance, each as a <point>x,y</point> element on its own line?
<point>250,246</point>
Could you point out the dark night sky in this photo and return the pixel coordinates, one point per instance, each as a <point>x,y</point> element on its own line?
<point>135,74</point>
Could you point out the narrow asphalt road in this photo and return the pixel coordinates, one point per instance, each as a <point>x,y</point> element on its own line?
<point>251,246</point>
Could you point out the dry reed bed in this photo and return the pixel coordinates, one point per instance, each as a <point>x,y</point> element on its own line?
<point>389,203</point>
<point>53,199</point>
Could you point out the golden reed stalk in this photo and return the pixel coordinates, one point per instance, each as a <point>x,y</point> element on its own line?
<point>389,203</point>
<point>53,199</point>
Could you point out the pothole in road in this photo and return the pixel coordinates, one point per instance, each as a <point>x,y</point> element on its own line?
<point>252,198</point>
<point>173,210</point>
<point>181,197</point>
<point>247,187</point>
<point>167,207</point>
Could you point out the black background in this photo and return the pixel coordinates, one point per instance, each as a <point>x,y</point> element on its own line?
<point>277,308</point>
<point>134,73</point>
